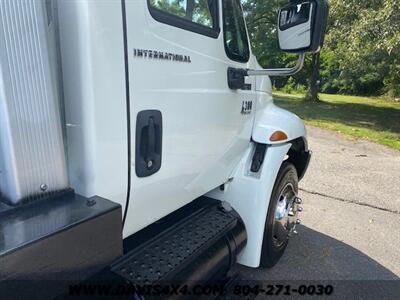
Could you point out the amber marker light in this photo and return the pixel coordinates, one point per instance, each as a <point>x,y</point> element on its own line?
<point>278,136</point>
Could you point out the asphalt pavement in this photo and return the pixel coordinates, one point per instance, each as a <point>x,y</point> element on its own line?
<point>350,232</point>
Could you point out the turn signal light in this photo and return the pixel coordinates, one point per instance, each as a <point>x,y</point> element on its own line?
<point>278,136</point>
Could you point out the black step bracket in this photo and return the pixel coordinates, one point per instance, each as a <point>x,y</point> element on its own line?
<point>164,256</point>
<point>236,79</point>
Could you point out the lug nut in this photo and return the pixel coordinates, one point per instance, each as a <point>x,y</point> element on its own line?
<point>298,200</point>
<point>299,209</point>
<point>298,221</point>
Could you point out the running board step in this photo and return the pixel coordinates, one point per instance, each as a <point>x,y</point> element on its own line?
<point>197,248</point>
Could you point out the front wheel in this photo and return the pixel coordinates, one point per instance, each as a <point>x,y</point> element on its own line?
<point>282,215</point>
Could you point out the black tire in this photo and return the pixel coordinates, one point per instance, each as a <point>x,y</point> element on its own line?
<point>271,254</point>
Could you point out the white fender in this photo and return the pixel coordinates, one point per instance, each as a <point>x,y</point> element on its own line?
<point>249,194</point>
<point>271,118</point>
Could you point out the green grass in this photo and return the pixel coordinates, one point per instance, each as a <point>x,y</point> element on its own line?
<point>374,119</point>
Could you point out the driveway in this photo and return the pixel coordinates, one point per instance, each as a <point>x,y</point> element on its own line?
<point>350,224</point>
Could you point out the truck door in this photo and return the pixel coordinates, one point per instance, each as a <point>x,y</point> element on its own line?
<point>188,129</point>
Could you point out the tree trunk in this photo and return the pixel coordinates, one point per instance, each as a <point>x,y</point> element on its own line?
<point>313,86</point>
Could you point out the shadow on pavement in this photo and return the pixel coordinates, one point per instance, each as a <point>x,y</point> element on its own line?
<point>352,114</point>
<point>315,258</point>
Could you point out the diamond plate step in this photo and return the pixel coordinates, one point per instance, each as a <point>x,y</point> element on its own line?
<point>163,256</point>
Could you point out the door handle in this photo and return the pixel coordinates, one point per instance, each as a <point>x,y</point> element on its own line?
<point>148,142</point>
<point>151,141</point>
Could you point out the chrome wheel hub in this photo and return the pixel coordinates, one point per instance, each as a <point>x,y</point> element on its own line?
<point>285,216</point>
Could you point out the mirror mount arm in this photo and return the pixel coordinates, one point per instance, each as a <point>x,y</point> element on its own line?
<point>279,71</point>
<point>236,77</point>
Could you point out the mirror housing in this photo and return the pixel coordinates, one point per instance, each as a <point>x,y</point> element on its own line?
<point>302,25</point>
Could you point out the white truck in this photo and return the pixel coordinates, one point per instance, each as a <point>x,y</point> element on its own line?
<point>139,140</point>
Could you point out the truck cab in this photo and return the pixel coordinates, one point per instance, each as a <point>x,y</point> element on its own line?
<point>140,124</point>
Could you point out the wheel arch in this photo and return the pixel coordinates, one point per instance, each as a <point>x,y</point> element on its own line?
<point>249,194</point>
<point>299,155</point>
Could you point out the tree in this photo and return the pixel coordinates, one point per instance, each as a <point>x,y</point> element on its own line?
<point>313,85</point>
<point>365,37</point>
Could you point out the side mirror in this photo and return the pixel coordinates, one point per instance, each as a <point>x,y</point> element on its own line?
<point>301,26</point>
<point>301,29</point>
